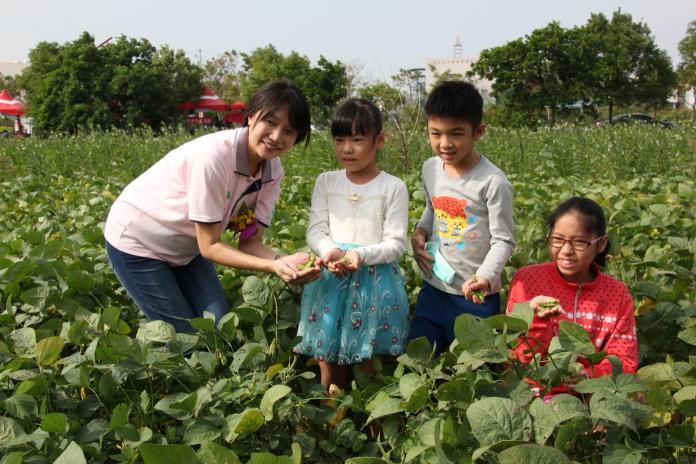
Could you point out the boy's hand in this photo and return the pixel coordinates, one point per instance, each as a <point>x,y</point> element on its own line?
<point>546,306</point>
<point>423,258</point>
<point>475,289</point>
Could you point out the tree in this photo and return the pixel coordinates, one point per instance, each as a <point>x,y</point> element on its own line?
<point>623,63</point>
<point>537,72</point>
<point>687,68</point>
<point>401,116</point>
<point>324,84</point>
<point>126,83</point>
<point>222,75</point>
<point>655,78</point>
<point>9,83</point>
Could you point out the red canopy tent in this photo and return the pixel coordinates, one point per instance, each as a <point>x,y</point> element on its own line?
<point>237,112</point>
<point>209,101</point>
<point>9,105</point>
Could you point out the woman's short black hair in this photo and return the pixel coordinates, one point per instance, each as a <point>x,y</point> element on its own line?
<point>356,116</point>
<point>455,99</point>
<point>592,217</point>
<point>279,93</point>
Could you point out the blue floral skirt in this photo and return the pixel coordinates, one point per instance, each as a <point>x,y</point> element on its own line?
<point>346,320</point>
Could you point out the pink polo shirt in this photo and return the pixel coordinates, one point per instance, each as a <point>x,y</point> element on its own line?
<point>205,180</point>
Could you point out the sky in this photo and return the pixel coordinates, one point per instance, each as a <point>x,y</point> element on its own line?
<point>378,36</point>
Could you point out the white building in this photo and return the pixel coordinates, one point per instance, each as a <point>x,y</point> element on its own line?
<point>458,65</point>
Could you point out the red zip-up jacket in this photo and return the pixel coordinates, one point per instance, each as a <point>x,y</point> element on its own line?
<point>604,307</point>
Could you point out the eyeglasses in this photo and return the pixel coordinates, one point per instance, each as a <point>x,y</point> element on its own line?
<point>576,244</point>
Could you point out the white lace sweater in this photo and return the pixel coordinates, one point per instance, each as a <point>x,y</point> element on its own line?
<point>373,216</point>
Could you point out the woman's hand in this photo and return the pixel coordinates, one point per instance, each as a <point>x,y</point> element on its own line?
<point>422,257</point>
<point>287,268</point>
<point>546,306</point>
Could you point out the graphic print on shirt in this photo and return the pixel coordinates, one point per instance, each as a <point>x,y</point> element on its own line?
<point>451,222</point>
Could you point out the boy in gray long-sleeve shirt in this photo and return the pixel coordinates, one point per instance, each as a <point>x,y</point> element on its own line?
<point>466,233</point>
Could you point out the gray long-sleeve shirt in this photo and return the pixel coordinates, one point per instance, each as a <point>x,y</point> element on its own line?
<point>470,218</point>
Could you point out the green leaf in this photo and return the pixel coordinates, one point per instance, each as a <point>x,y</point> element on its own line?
<point>11,433</point>
<point>23,341</point>
<point>558,410</point>
<point>574,338</point>
<point>498,419</point>
<point>203,325</point>
<point>166,405</point>
<point>272,395</point>
<point>22,406</point>
<point>48,350</point>
<point>194,402</point>
<point>615,409</point>
<point>92,431</point>
<point>212,453</point>
<point>255,291</point>
<point>119,417</point>
<point>532,453</point>
<point>569,432</point>
<point>383,405</point>
<point>36,296</point>
<point>156,331</point>
<point>619,454</point>
<point>415,451</point>
<point>438,445</point>
<point>657,373</point>
<point>418,353</point>
<point>477,338</point>
<point>15,457</point>
<point>595,385</point>
<point>167,454</point>
<point>455,390</point>
<point>686,400</point>
<point>688,335</point>
<point>524,312</point>
<point>417,400</point>
<point>409,383</point>
<point>201,431</point>
<point>72,455</point>
<point>239,425</point>
<point>502,321</point>
<point>55,422</point>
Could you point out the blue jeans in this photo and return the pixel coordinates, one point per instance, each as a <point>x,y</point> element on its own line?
<point>436,311</point>
<point>170,293</point>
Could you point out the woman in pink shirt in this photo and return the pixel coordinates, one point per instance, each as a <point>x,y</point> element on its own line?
<point>578,245</point>
<point>163,232</point>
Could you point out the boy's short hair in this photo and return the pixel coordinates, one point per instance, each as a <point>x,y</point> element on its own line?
<point>455,99</point>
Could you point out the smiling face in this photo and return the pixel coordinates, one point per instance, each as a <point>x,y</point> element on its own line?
<point>270,134</point>
<point>453,140</point>
<point>357,153</point>
<point>573,265</point>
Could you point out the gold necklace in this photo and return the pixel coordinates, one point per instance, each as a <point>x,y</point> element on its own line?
<point>353,198</point>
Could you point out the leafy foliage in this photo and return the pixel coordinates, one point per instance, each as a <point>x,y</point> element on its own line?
<point>127,84</point>
<point>324,84</point>
<point>605,62</point>
<point>84,378</point>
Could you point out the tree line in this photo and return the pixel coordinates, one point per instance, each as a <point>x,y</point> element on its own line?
<point>607,62</point>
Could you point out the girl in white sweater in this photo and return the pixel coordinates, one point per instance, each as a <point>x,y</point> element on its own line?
<point>358,226</point>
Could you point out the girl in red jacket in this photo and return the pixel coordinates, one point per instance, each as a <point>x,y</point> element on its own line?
<point>578,245</point>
